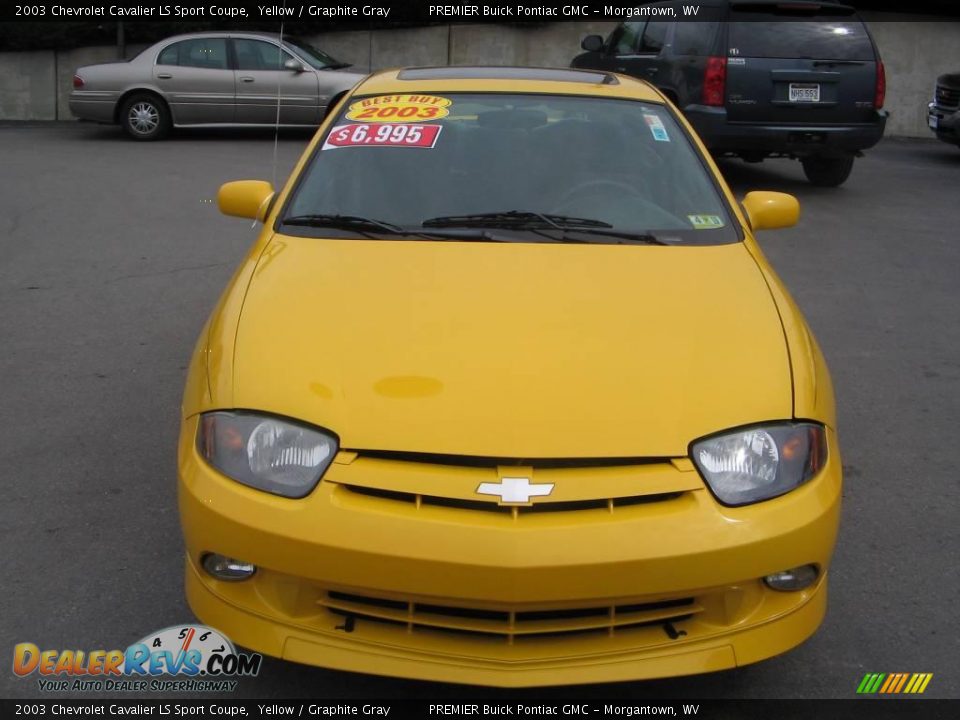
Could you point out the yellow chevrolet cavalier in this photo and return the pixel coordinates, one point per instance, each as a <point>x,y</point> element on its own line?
<point>505,393</point>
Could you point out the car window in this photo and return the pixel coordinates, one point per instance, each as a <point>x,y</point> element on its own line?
<point>827,38</point>
<point>625,39</point>
<point>406,160</point>
<point>259,55</point>
<point>315,57</point>
<point>693,38</point>
<point>200,53</point>
<point>653,37</point>
<point>169,55</point>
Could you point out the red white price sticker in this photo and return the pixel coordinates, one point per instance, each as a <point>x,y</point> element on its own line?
<point>382,135</point>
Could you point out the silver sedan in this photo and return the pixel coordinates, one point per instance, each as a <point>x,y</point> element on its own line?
<point>231,78</point>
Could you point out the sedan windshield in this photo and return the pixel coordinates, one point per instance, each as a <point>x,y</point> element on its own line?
<point>508,168</point>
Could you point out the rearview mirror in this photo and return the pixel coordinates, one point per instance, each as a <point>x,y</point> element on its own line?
<point>592,43</point>
<point>294,65</point>
<point>246,198</point>
<point>771,210</point>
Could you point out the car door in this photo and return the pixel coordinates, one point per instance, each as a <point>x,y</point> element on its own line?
<point>196,80</point>
<point>263,81</point>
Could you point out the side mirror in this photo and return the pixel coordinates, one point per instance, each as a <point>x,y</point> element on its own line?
<point>294,66</point>
<point>771,210</point>
<point>592,43</point>
<point>246,198</point>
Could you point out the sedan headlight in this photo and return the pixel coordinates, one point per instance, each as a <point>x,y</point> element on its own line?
<point>266,453</point>
<point>758,463</point>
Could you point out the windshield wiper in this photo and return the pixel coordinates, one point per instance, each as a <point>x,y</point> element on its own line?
<point>346,222</point>
<point>362,225</point>
<point>518,219</point>
<point>830,63</point>
<point>372,228</point>
<point>625,236</point>
<point>538,222</point>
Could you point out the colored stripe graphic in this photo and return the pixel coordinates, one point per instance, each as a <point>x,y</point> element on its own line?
<point>894,683</point>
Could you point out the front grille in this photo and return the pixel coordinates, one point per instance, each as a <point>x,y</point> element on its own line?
<point>484,461</point>
<point>508,624</point>
<point>947,97</point>
<point>609,504</point>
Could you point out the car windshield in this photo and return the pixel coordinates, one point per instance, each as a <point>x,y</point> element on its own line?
<point>502,167</point>
<point>317,58</point>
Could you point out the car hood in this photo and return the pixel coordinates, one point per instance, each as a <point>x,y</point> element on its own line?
<point>511,350</point>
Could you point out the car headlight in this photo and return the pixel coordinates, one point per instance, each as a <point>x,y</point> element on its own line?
<point>264,452</point>
<point>758,463</point>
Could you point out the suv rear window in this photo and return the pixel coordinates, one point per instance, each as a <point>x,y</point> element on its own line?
<point>768,35</point>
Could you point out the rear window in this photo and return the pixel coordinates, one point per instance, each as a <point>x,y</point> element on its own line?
<point>768,35</point>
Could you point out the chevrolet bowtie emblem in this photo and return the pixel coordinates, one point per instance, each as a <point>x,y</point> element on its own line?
<point>515,490</point>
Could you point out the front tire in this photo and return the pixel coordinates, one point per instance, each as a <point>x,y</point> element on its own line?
<point>145,117</point>
<point>827,171</point>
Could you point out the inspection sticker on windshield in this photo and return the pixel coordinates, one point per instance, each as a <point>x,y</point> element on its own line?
<point>367,135</point>
<point>657,129</point>
<point>705,222</point>
<point>400,108</point>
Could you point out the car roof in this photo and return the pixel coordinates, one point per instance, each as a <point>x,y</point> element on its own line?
<point>480,78</point>
<point>225,34</point>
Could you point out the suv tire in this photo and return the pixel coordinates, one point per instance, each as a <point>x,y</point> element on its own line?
<point>827,171</point>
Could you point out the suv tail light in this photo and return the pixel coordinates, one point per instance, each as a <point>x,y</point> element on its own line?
<point>715,81</point>
<point>77,81</point>
<point>881,89</point>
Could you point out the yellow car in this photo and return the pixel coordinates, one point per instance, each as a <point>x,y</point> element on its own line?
<point>505,393</point>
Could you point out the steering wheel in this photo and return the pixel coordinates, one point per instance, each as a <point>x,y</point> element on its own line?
<point>596,186</point>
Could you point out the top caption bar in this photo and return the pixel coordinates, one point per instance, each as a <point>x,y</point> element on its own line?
<point>407,11</point>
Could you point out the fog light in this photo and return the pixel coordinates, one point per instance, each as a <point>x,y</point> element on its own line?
<point>224,568</point>
<point>793,579</point>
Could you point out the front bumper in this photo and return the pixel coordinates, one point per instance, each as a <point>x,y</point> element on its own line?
<point>721,135</point>
<point>945,123</point>
<point>450,593</point>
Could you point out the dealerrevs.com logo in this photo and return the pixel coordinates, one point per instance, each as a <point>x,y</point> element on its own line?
<point>202,658</point>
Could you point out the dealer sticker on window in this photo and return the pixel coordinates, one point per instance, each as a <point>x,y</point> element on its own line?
<point>657,129</point>
<point>392,135</point>
<point>400,108</point>
<point>705,222</point>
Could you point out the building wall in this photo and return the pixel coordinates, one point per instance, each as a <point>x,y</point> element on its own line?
<point>914,53</point>
<point>36,85</point>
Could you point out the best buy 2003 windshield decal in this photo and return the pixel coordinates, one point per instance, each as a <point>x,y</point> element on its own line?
<point>187,650</point>
<point>399,109</point>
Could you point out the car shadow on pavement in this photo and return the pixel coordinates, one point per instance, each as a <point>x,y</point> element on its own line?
<point>290,679</point>
<point>778,175</point>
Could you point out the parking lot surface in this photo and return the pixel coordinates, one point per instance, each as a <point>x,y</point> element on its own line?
<point>113,253</point>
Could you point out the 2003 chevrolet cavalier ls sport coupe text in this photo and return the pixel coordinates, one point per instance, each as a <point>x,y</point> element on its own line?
<point>505,393</point>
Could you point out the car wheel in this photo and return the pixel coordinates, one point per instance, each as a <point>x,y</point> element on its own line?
<point>145,117</point>
<point>827,172</point>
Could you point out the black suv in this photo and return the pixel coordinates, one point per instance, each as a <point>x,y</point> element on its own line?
<point>943,114</point>
<point>762,79</point>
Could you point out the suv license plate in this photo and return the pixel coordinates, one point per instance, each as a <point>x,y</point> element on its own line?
<point>932,121</point>
<point>806,92</point>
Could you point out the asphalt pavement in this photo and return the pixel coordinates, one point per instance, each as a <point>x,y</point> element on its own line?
<point>112,253</point>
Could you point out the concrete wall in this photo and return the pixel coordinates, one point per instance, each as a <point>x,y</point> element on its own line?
<point>914,54</point>
<point>27,86</point>
<point>36,85</point>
